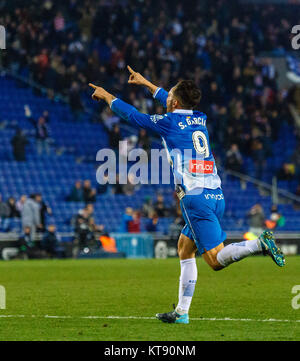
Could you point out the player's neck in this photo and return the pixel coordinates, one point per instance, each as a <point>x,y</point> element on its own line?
<point>181,110</point>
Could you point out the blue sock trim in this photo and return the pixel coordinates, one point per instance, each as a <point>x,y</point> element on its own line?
<point>189,290</point>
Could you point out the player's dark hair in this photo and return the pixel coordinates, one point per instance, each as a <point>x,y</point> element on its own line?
<point>188,94</point>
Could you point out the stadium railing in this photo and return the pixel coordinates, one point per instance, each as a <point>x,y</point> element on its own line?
<point>275,192</point>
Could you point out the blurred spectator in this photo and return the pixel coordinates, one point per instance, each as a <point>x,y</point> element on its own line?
<point>126,218</point>
<point>25,242</point>
<point>19,142</point>
<point>234,159</point>
<point>30,214</point>
<point>160,207</point>
<point>144,141</point>
<point>108,243</point>
<point>103,187</point>
<point>28,247</point>
<point>276,219</point>
<point>13,210</point>
<point>148,207</point>
<point>89,193</point>
<point>126,146</point>
<point>41,131</point>
<point>44,210</point>
<point>115,137</point>
<point>13,213</point>
<point>286,172</point>
<point>50,243</point>
<point>4,214</point>
<point>84,233</point>
<point>20,203</point>
<point>117,188</point>
<point>109,119</point>
<point>296,204</point>
<point>134,225</point>
<point>76,194</point>
<point>176,227</point>
<point>259,158</point>
<point>59,22</point>
<point>256,219</point>
<point>295,160</point>
<point>129,188</point>
<point>89,208</point>
<point>75,100</point>
<point>151,223</point>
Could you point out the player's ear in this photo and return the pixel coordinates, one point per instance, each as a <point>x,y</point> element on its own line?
<point>175,103</point>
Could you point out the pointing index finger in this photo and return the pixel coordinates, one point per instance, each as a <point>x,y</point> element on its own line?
<point>93,86</point>
<point>131,71</point>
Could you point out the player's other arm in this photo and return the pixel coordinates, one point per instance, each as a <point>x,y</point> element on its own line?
<point>127,111</point>
<point>157,92</point>
<point>101,94</point>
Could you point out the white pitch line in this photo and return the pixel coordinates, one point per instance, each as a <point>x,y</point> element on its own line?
<point>150,318</point>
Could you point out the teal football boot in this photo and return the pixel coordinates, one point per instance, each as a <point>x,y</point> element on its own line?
<point>173,317</point>
<point>270,248</point>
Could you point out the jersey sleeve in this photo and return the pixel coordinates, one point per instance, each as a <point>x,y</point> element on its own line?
<point>157,123</point>
<point>161,95</point>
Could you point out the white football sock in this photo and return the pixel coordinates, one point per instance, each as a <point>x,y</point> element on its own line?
<point>234,252</point>
<point>187,283</point>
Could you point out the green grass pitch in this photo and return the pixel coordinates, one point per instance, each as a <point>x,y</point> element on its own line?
<point>254,289</point>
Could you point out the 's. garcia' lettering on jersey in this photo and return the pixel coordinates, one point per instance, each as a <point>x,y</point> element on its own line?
<point>192,121</point>
<point>201,166</point>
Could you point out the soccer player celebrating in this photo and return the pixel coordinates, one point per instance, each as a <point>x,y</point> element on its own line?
<point>198,185</point>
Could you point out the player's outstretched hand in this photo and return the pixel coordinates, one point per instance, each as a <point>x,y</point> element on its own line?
<point>99,93</point>
<point>136,78</point>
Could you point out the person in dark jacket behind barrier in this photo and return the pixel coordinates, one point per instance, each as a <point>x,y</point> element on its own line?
<point>28,248</point>
<point>50,243</point>
<point>19,142</point>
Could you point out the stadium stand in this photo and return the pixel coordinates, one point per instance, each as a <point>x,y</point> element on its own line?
<point>53,175</point>
<point>63,47</point>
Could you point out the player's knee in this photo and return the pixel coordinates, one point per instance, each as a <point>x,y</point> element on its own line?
<point>216,266</point>
<point>185,249</point>
<point>183,252</point>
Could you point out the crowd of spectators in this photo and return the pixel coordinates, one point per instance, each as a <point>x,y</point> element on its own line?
<point>219,44</point>
<point>31,210</point>
<point>152,211</point>
<point>86,230</point>
<point>258,221</point>
<point>64,45</point>
<point>48,247</point>
<point>28,216</point>
<point>82,192</point>
<point>41,134</point>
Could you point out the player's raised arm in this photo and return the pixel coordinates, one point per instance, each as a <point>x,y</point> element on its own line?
<point>101,94</point>
<point>157,92</point>
<point>138,79</point>
<point>126,111</point>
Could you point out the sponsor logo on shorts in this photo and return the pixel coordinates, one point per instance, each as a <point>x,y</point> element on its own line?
<point>217,197</point>
<point>201,166</point>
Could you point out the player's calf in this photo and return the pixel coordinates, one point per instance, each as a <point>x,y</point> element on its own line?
<point>210,257</point>
<point>235,252</point>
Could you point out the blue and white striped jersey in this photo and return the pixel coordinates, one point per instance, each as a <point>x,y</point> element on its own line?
<point>185,138</point>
